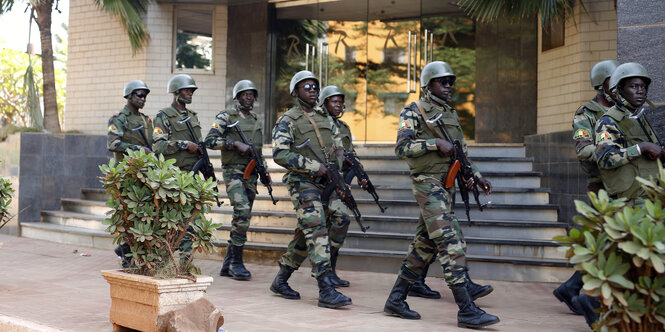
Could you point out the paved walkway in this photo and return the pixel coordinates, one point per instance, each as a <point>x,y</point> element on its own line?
<point>54,286</point>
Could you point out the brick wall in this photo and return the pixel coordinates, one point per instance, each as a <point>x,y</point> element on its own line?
<point>101,62</point>
<point>563,72</point>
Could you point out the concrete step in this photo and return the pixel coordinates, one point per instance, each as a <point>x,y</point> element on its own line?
<point>391,241</point>
<point>384,261</point>
<point>74,219</point>
<point>499,195</point>
<point>67,234</point>
<point>485,164</point>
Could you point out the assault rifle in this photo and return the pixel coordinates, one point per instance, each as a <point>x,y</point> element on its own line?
<point>357,170</point>
<point>202,165</point>
<point>460,169</point>
<point>254,163</point>
<point>336,183</point>
<point>145,139</point>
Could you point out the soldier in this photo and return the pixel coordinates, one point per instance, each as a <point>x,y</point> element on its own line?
<point>235,157</point>
<point>584,124</point>
<point>172,137</point>
<point>624,145</point>
<point>129,129</point>
<point>305,179</point>
<point>429,157</point>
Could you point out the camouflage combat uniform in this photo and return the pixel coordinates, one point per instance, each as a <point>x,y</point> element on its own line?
<point>241,191</point>
<point>618,156</point>
<point>171,137</point>
<point>304,186</point>
<point>584,135</point>
<point>121,137</point>
<point>438,230</point>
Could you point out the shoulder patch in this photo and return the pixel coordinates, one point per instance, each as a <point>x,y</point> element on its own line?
<point>157,131</point>
<point>605,136</point>
<point>403,125</point>
<point>111,128</point>
<point>215,125</point>
<point>582,133</point>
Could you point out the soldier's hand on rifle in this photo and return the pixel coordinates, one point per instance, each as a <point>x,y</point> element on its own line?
<point>650,150</point>
<point>485,185</point>
<point>193,147</point>
<point>322,170</point>
<point>243,148</point>
<point>341,193</point>
<point>363,184</point>
<point>445,147</point>
<point>146,150</point>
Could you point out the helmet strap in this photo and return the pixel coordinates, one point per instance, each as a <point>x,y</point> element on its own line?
<point>430,97</point>
<point>241,107</point>
<point>134,102</point>
<point>182,100</point>
<point>304,103</point>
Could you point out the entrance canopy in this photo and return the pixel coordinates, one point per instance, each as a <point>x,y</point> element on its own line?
<point>363,10</point>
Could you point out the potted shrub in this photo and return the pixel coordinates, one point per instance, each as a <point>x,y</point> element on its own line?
<point>6,192</point>
<point>155,208</point>
<point>620,250</point>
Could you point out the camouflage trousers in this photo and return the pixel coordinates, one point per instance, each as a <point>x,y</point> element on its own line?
<point>318,228</point>
<point>241,194</point>
<point>438,232</point>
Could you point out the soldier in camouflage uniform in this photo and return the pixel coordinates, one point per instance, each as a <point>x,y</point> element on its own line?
<point>305,179</point>
<point>171,135</point>
<point>129,129</point>
<point>625,146</point>
<point>584,123</point>
<point>235,157</point>
<point>429,159</point>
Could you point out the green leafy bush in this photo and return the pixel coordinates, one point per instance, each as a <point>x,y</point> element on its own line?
<point>6,192</point>
<point>153,203</point>
<point>620,250</point>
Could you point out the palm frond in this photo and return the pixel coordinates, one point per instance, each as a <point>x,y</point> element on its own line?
<point>32,100</point>
<point>490,10</point>
<point>129,12</point>
<point>6,5</point>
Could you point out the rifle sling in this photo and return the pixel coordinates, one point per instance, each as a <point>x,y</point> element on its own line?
<point>318,133</point>
<point>429,125</point>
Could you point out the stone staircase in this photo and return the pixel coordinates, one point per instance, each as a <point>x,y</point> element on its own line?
<point>509,240</point>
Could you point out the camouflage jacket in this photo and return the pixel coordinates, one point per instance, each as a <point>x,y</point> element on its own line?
<point>171,137</point>
<point>222,138</point>
<point>417,144</point>
<point>584,135</point>
<point>120,136</point>
<point>347,141</point>
<point>293,129</point>
<point>617,154</point>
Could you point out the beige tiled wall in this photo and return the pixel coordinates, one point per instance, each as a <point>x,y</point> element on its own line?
<point>563,72</point>
<point>101,62</point>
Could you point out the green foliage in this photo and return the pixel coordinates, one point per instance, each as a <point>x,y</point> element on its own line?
<point>620,250</point>
<point>129,12</point>
<point>6,192</point>
<point>490,10</point>
<point>152,205</point>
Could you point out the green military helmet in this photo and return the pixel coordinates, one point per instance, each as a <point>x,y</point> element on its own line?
<point>329,91</point>
<point>435,69</point>
<point>244,85</point>
<point>133,86</point>
<point>626,70</point>
<point>601,71</point>
<point>181,81</point>
<point>299,77</point>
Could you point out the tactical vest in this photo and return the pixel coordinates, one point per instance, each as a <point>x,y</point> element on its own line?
<point>251,127</point>
<point>305,130</point>
<point>179,131</point>
<point>431,162</point>
<point>593,111</point>
<point>129,121</point>
<point>345,133</point>
<point>621,181</point>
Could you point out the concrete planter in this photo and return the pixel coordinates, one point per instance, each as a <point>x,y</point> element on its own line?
<point>137,300</point>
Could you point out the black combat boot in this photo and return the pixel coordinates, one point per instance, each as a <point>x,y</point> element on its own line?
<point>120,251</point>
<point>334,279</point>
<point>476,291</point>
<point>224,272</point>
<point>420,289</point>
<point>396,303</point>
<point>328,296</point>
<point>570,289</point>
<point>586,305</point>
<point>470,316</point>
<point>237,269</point>
<point>280,285</point>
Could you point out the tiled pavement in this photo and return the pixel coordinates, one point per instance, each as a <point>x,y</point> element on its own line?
<point>53,285</point>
